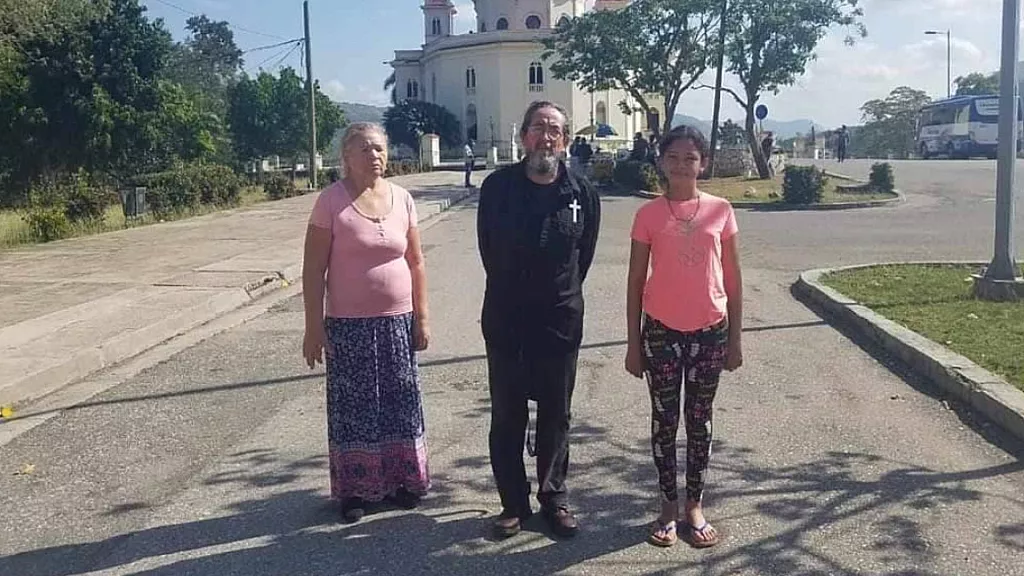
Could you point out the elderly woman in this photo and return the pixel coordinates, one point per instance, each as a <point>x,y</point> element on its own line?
<point>363,253</point>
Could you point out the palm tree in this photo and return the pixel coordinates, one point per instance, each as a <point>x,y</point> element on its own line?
<point>391,83</point>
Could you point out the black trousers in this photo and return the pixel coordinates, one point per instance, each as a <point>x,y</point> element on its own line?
<point>548,377</point>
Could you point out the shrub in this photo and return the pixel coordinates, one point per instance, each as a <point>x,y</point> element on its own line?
<point>47,224</point>
<point>803,185</point>
<point>186,187</point>
<point>882,178</point>
<point>638,175</point>
<point>603,171</point>
<point>328,177</point>
<point>401,168</point>
<point>278,186</point>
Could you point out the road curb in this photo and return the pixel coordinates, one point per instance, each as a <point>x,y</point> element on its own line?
<point>951,373</point>
<point>783,207</point>
<point>85,362</point>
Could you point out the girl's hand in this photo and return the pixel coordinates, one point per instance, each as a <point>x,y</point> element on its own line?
<point>734,355</point>
<point>420,335</point>
<point>635,360</point>
<point>314,344</point>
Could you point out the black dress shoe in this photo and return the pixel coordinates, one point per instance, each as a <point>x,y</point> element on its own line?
<point>404,499</point>
<point>562,521</point>
<point>510,522</point>
<point>353,509</point>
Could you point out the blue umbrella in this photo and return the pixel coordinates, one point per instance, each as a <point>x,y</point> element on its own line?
<point>606,130</point>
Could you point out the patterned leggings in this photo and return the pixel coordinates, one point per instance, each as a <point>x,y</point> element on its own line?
<point>671,356</point>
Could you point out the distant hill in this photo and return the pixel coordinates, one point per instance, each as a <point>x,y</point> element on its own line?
<point>781,129</point>
<point>355,112</point>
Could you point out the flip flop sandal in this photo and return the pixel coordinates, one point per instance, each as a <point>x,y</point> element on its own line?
<point>668,530</point>
<point>701,530</point>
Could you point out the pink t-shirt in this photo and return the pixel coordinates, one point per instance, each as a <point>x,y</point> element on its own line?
<point>367,274</point>
<point>686,288</point>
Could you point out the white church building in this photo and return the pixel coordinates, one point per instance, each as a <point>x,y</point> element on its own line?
<point>488,77</point>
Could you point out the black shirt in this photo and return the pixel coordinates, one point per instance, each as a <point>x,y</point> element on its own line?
<point>537,243</point>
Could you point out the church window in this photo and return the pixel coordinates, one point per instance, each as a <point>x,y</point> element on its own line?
<point>536,77</point>
<point>433,88</point>
<point>435,27</point>
<point>471,78</point>
<point>563,21</point>
<point>602,113</point>
<point>502,23</point>
<point>533,22</point>
<point>412,90</point>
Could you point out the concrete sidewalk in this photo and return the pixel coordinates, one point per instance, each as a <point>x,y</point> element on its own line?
<point>70,308</point>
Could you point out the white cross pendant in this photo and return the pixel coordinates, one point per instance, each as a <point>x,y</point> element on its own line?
<point>575,210</point>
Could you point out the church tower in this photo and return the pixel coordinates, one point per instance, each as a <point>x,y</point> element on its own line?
<point>438,19</point>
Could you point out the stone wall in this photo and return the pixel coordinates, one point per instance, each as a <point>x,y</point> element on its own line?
<point>731,162</point>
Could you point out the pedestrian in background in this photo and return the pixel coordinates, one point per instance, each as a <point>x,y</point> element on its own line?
<point>684,324</point>
<point>470,162</point>
<point>363,253</point>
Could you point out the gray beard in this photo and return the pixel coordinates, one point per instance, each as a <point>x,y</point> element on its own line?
<point>542,162</point>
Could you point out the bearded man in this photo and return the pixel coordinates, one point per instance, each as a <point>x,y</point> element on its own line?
<point>537,229</point>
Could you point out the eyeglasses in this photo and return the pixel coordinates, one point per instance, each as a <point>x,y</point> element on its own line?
<point>552,130</point>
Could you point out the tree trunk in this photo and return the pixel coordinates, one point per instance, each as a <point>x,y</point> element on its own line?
<point>755,145</point>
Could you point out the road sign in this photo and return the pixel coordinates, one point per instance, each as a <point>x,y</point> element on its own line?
<point>761,111</point>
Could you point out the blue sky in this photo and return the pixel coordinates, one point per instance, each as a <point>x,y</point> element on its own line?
<point>353,38</point>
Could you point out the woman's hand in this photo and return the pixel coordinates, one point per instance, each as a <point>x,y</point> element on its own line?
<point>420,335</point>
<point>734,355</point>
<point>314,345</point>
<point>635,360</point>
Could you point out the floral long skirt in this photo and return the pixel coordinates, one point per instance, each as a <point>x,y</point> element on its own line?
<point>375,428</point>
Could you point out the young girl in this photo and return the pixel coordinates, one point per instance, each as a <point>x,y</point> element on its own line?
<point>684,323</point>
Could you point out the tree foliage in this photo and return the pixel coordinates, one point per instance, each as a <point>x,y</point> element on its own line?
<point>651,47</point>
<point>96,87</point>
<point>270,115</point>
<point>408,120</point>
<point>976,83</point>
<point>889,123</point>
<point>769,44</point>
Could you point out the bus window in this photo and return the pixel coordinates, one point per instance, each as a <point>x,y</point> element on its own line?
<point>963,114</point>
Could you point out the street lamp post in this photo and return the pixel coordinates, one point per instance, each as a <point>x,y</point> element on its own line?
<point>949,58</point>
<point>1000,281</point>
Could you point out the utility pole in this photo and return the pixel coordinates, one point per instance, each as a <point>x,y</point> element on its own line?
<point>312,99</point>
<point>718,89</point>
<point>1003,267</point>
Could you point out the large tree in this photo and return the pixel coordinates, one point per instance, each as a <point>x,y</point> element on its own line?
<point>651,47</point>
<point>977,83</point>
<point>889,123</point>
<point>270,115</point>
<point>769,44</point>
<point>85,90</point>
<point>407,121</point>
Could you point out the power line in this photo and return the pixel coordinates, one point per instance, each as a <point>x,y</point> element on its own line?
<point>285,57</point>
<point>269,46</point>
<point>230,25</point>
<point>287,52</point>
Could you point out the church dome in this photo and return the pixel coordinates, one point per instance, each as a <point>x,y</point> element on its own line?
<point>512,14</point>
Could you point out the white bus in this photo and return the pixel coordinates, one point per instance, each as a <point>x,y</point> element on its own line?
<point>961,127</point>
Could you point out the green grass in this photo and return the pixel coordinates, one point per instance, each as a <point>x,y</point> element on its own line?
<point>936,302</point>
<point>14,230</point>
<point>742,189</point>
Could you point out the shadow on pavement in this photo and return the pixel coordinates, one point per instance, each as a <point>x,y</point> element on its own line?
<point>296,531</point>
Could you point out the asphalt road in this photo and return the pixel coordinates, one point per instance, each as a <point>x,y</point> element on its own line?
<point>825,461</point>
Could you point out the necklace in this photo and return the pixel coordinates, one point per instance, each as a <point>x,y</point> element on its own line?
<point>685,224</point>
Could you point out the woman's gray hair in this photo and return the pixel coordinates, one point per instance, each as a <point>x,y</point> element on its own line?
<point>358,129</point>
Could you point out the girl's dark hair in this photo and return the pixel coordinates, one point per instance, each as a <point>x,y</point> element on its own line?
<point>695,136</point>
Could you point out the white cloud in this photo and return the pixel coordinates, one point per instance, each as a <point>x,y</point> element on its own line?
<point>335,89</point>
